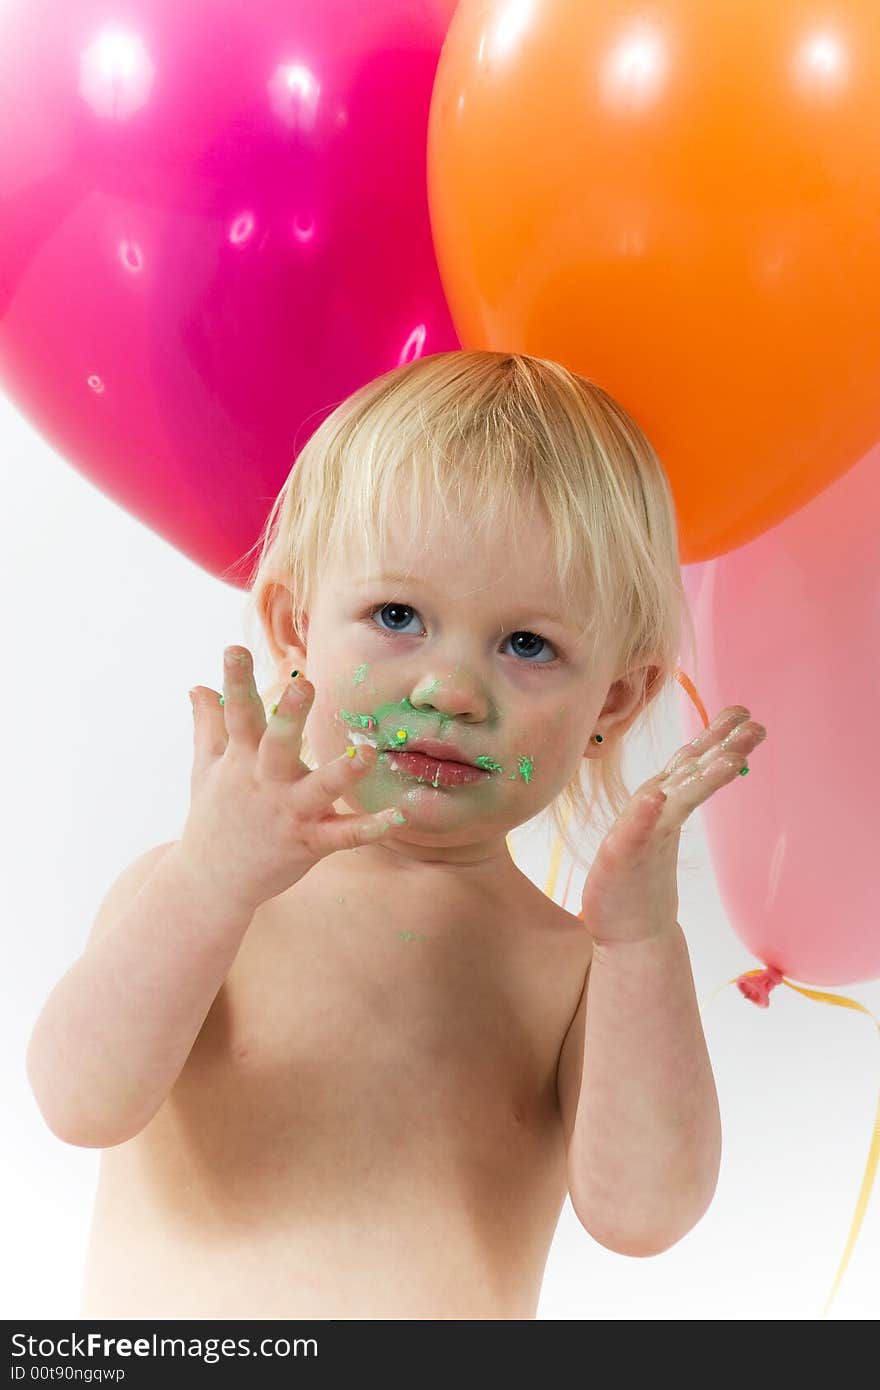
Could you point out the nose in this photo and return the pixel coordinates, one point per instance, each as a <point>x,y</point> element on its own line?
<point>457,693</point>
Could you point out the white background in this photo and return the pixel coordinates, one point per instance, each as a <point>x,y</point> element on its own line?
<point>105,628</point>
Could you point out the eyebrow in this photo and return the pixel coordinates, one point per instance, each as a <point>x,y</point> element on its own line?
<point>414,579</point>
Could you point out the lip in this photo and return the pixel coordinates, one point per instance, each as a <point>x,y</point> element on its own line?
<point>443,752</point>
<point>439,772</point>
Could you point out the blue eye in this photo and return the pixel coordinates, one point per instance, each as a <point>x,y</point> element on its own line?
<point>397,611</point>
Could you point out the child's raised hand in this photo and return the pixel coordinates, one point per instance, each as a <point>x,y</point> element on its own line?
<point>631,893</point>
<point>260,818</point>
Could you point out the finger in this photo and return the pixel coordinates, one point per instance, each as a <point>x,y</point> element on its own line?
<point>696,782</point>
<point>317,791</point>
<point>209,730</point>
<point>243,711</point>
<point>280,755</point>
<point>742,738</point>
<point>725,723</point>
<point>640,815</point>
<point>347,832</point>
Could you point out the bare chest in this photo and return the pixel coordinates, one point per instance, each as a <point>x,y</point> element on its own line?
<point>369,1065</point>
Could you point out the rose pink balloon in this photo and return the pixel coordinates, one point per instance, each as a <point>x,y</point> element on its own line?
<point>789,626</point>
<point>213,228</point>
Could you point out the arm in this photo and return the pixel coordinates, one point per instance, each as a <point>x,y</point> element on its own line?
<point>116,1030</point>
<point>636,1090</point>
<point>638,1098</point>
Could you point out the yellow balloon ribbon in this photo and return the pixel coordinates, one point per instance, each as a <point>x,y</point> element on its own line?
<point>756,985</point>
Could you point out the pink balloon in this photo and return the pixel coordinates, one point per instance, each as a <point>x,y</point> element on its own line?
<point>789,626</point>
<point>213,228</point>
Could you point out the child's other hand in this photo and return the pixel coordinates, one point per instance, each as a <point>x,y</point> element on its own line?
<point>260,818</point>
<point>631,891</point>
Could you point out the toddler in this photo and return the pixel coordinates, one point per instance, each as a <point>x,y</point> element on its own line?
<point>333,1043</point>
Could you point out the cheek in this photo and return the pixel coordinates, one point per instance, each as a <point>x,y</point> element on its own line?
<point>557,728</point>
<point>546,751</point>
<point>326,731</point>
<point>345,701</point>
<point>559,752</point>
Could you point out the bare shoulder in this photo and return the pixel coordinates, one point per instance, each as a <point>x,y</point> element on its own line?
<point>124,888</point>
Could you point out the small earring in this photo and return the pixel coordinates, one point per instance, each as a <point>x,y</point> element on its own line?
<point>597,738</point>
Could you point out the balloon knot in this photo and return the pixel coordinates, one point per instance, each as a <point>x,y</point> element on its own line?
<point>757,987</point>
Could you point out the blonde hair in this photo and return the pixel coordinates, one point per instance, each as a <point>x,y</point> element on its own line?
<point>505,428</point>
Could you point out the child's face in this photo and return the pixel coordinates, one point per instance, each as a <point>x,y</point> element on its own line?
<point>478,649</point>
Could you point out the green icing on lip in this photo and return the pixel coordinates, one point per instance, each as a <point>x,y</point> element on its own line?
<point>488,764</point>
<point>525,765</point>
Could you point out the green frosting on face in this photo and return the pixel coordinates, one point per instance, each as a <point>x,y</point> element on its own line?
<point>488,764</point>
<point>360,721</point>
<point>398,713</point>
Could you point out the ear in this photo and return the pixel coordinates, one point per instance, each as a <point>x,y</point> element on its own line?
<point>285,642</point>
<point>628,697</point>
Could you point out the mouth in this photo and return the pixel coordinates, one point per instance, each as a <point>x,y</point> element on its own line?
<point>439,752</point>
<point>420,761</point>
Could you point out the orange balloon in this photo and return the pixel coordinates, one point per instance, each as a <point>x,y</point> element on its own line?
<point>680,201</point>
